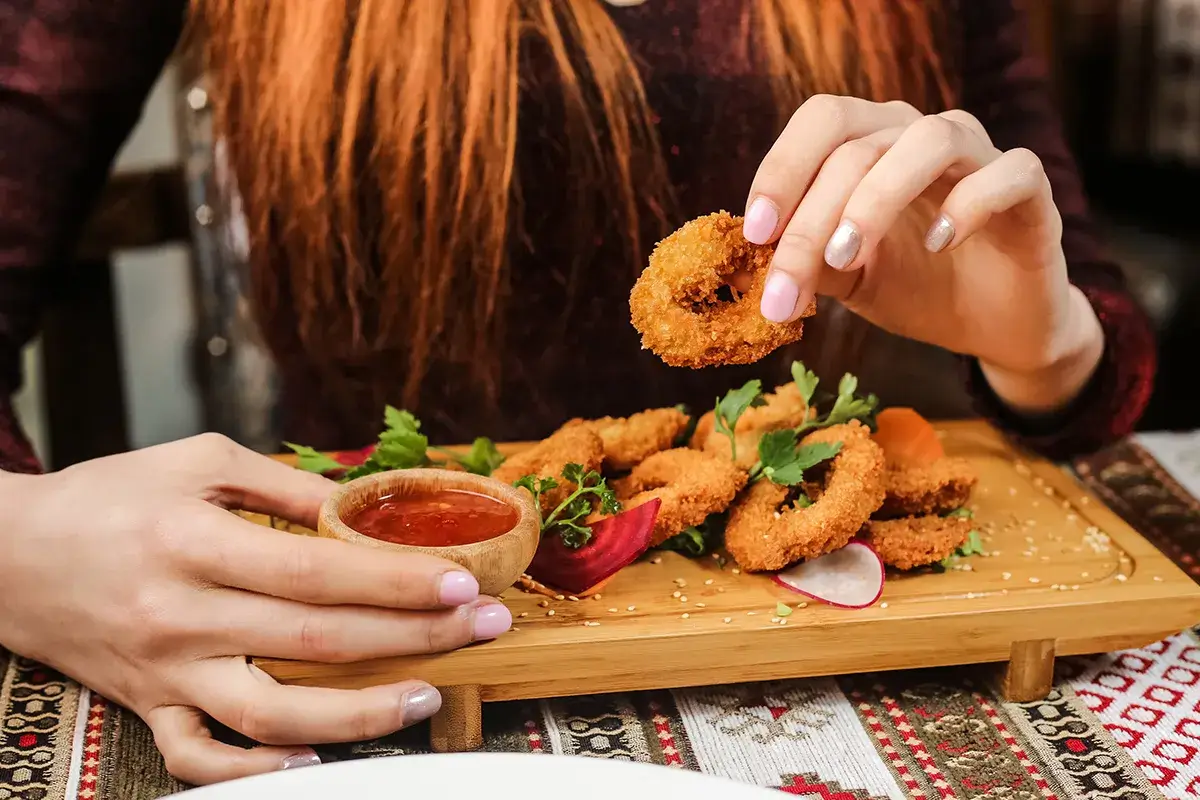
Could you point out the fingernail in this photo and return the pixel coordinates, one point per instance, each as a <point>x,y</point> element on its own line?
<point>491,621</point>
<point>298,760</point>
<point>457,588</point>
<point>941,233</point>
<point>843,246</point>
<point>761,221</point>
<point>420,704</point>
<point>779,297</point>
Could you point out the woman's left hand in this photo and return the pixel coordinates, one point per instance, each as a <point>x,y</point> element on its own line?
<point>922,226</point>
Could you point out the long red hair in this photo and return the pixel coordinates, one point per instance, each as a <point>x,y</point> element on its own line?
<point>374,144</point>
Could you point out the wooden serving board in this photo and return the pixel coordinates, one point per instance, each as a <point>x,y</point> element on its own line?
<point>1064,576</point>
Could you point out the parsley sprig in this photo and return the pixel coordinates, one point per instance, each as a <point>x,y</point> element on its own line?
<point>783,460</point>
<point>401,445</point>
<point>565,520</point>
<point>698,540</point>
<point>729,410</point>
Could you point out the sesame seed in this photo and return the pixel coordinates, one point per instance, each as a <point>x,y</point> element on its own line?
<point>775,619</point>
<point>676,595</point>
<point>720,588</point>
<point>612,611</point>
<point>727,620</point>
<point>802,605</point>
<point>968,568</point>
<point>595,597</point>
<point>701,605</point>
<point>1006,576</point>
<point>1157,578</point>
<point>783,622</point>
<point>550,613</point>
<point>631,608</point>
<point>559,597</point>
<point>684,616</point>
<point>736,571</point>
<point>883,605</point>
<point>1075,587</point>
<point>656,560</point>
<point>1122,578</point>
<point>513,630</point>
<point>683,598</point>
<point>680,582</point>
<point>1083,574</point>
<point>1055,586</point>
<point>544,603</point>
<point>573,599</point>
<point>751,613</point>
<point>708,582</point>
<point>523,614</point>
<point>1035,580</point>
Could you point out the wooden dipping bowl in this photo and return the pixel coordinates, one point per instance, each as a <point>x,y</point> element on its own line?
<point>496,563</point>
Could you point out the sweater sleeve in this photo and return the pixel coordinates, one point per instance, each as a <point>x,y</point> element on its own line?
<point>1005,86</point>
<point>74,75</point>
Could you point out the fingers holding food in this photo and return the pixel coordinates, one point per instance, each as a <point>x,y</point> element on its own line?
<point>680,307</point>
<point>691,484</point>
<point>936,488</point>
<point>772,526</point>
<point>911,542</point>
<point>628,441</point>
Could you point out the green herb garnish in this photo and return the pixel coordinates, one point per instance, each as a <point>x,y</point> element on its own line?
<point>729,410</point>
<point>783,460</point>
<point>565,520</point>
<point>699,539</point>
<point>401,445</point>
<point>783,610</point>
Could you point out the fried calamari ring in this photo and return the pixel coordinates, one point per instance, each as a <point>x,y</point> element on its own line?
<point>675,304</point>
<point>783,409</point>
<point>691,485</point>
<point>911,542</point>
<point>936,488</point>
<point>766,533</point>
<point>546,459</point>
<point>628,441</point>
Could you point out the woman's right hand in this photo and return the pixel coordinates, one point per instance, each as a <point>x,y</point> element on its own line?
<point>129,575</point>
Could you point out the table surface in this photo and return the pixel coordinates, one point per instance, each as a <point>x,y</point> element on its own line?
<point>1122,724</point>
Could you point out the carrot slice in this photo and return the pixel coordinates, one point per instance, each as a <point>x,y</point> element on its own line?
<point>907,438</point>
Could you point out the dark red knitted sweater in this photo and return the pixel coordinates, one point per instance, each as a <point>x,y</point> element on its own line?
<point>74,75</point>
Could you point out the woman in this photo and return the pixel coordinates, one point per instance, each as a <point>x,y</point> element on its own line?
<point>447,205</point>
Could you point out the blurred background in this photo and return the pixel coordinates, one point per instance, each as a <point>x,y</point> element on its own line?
<point>148,326</point>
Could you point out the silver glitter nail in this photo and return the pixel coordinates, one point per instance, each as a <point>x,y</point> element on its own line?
<point>941,233</point>
<point>300,760</point>
<point>843,246</point>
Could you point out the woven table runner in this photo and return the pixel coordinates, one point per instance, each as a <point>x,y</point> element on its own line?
<point>1123,725</point>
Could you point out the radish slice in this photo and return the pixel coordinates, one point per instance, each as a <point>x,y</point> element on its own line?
<point>848,578</point>
<point>616,543</point>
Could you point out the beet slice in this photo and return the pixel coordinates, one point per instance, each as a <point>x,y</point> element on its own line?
<point>848,578</point>
<point>616,543</point>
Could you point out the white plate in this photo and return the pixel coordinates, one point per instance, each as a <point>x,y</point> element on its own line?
<point>486,776</point>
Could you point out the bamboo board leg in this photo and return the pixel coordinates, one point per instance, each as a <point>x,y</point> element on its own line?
<point>458,726</point>
<point>1030,674</point>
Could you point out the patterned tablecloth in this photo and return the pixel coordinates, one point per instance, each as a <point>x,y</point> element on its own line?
<point>1123,725</point>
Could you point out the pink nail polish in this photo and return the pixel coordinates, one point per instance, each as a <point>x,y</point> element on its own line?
<point>303,759</point>
<point>760,222</point>
<point>457,588</point>
<point>779,297</point>
<point>491,620</point>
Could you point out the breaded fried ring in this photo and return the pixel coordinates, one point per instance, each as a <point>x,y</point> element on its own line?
<point>675,307</point>
<point>942,486</point>
<point>911,542</point>
<point>783,409</point>
<point>546,459</point>
<point>628,441</point>
<point>690,484</point>
<point>765,536</point>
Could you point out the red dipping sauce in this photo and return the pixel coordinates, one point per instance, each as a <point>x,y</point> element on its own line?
<point>443,518</point>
